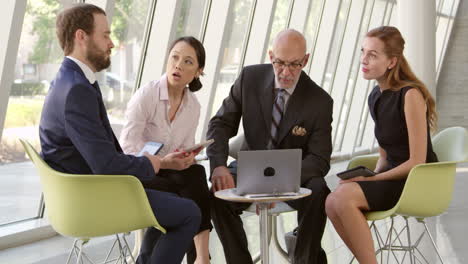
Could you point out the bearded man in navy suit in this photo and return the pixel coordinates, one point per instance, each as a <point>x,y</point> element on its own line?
<point>76,136</point>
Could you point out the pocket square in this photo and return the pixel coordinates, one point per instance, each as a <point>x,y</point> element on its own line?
<point>299,131</point>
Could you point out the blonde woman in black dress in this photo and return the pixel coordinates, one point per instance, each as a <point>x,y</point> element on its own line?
<point>404,112</point>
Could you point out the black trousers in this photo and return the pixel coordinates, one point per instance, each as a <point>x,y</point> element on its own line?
<point>311,224</point>
<point>190,183</point>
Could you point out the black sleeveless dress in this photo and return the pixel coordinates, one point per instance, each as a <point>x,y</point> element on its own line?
<point>391,132</point>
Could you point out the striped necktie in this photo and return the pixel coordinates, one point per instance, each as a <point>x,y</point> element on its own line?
<point>277,115</point>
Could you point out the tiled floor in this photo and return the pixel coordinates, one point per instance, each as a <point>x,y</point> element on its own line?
<point>449,230</point>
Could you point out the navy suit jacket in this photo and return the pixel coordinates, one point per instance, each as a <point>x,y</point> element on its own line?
<point>75,133</point>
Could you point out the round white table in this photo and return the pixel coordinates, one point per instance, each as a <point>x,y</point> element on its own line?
<point>263,204</point>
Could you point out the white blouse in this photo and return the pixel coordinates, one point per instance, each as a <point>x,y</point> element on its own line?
<point>147,119</point>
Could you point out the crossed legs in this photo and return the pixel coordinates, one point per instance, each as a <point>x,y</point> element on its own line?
<point>344,208</point>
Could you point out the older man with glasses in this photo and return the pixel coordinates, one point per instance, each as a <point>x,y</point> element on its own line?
<point>281,108</point>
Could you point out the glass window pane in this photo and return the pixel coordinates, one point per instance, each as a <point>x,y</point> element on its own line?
<point>312,27</point>
<point>39,57</point>
<point>445,17</point>
<point>118,81</point>
<point>340,27</point>
<point>280,22</point>
<point>191,18</point>
<point>237,26</point>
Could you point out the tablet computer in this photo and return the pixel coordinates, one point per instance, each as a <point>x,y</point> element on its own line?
<point>151,147</point>
<point>201,144</point>
<point>354,172</point>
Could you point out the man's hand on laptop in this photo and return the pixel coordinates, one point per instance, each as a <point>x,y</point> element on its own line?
<point>221,179</point>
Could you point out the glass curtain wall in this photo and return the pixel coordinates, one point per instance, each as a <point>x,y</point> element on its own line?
<point>238,26</point>
<point>117,83</point>
<point>191,18</point>
<point>280,21</point>
<point>446,11</point>
<point>39,57</point>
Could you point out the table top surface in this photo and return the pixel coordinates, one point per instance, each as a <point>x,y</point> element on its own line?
<point>231,195</point>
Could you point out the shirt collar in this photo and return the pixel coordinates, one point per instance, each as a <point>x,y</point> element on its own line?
<point>290,91</point>
<point>89,74</point>
<point>164,90</point>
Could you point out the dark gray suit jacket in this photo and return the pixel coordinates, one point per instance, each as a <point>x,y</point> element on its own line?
<point>251,97</point>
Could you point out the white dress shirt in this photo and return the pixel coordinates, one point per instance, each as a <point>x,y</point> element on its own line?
<point>147,119</point>
<point>89,74</point>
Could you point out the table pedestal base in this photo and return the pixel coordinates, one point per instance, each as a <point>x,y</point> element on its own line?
<point>264,247</point>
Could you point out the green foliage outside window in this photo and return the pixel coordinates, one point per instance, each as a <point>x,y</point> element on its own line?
<point>126,25</point>
<point>43,14</point>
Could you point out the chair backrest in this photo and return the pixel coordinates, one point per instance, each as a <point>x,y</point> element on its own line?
<point>87,206</point>
<point>428,190</point>
<point>235,145</point>
<point>368,161</point>
<point>429,187</point>
<point>451,144</point>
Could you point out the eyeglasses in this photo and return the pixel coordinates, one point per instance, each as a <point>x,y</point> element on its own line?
<point>292,66</point>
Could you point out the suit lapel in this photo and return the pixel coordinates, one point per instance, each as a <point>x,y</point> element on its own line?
<point>102,108</point>
<point>105,118</point>
<point>295,105</point>
<point>266,100</point>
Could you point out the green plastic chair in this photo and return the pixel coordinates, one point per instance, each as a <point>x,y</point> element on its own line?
<point>88,206</point>
<point>427,192</point>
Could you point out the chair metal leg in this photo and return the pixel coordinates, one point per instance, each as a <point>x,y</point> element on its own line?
<point>124,251</point>
<point>394,242</point>
<point>380,241</point>
<point>122,256</point>
<point>432,240</point>
<point>130,257</point>
<point>389,241</point>
<point>79,252</point>
<point>79,259</point>
<point>139,235</point>
<point>411,250</point>
<point>109,253</point>
<point>71,251</point>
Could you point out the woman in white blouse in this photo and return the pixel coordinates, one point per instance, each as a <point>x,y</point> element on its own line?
<point>167,111</point>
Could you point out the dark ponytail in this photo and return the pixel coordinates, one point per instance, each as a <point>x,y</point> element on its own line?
<point>195,85</point>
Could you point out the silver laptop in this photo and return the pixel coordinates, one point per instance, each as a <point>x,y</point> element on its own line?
<point>269,172</point>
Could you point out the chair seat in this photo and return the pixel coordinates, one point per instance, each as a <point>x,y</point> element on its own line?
<point>279,208</point>
<point>379,215</point>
